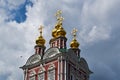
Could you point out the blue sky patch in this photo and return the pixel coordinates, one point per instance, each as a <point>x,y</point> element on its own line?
<point>18,14</point>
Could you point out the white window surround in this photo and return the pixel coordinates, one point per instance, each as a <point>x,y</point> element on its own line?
<point>42,69</point>
<point>41,73</point>
<point>51,66</point>
<point>41,76</point>
<point>51,72</point>
<point>32,73</point>
<point>32,78</point>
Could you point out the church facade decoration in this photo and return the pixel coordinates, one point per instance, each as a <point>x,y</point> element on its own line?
<point>57,62</point>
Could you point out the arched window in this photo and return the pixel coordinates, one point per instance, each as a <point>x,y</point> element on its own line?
<point>41,73</point>
<point>32,75</point>
<point>51,72</point>
<point>41,76</point>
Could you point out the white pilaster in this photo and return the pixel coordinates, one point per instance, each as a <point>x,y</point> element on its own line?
<point>58,68</point>
<point>65,71</point>
<point>61,69</point>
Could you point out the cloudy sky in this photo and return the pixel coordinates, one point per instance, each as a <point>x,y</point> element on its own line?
<point>97,21</point>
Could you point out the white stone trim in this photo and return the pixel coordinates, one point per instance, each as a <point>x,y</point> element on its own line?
<point>51,66</point>
<point>32,78</point>
<point>41,69</point>
<point>65,70</point>
<point>61,69</point>
<point>32,73</point>
<point>58,68</point>
<point>51,74</point>
<point>41,75</point>
<point>25,74</point>
<point>59,44</point>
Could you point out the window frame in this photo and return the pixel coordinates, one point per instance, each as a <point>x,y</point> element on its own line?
<point>51,68</point>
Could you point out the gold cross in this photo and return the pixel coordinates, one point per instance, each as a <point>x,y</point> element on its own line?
<point>58,13</point>
<point>74,32</point>
<point>40,29</point>
<point>59,17</point>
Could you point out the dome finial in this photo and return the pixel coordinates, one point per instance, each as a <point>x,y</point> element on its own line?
<point>74,32</point>
<point>40,40</point>
<point>40,29</point>
<point>59,17</point>
<point>58,30</point>
<point>74,43</point>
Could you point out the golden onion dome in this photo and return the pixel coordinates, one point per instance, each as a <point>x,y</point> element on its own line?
<point>55,30</point>
<point>74,44</point>
<point>40,41</point>
<point>60,32</point>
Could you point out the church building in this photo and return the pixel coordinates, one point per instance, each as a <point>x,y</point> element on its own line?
<point>57,62</point>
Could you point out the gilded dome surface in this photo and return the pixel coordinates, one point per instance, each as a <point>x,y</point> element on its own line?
<point>74,44</point>
<point>60,32</point>
<point>40,41</point>
<point>54,32</point>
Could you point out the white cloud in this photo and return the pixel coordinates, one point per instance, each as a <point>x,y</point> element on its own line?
<point>96,20</point>
<point>95,33</point>
<point>98,10</point>
<point>19,39</point>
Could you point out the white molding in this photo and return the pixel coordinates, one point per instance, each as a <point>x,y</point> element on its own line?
<point>51,74</point>
<point>51,66</point>
<point>58,68</point>
<point>32,73</point>
<point>25,74</point>
<point>65,71</point>
<point>32,78</point>
<point>61,69</point>
<point>41,75</point>
<point>41,69</point>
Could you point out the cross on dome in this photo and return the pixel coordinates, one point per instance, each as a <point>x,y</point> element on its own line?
<point>58,13</point>
<point>74,43</point>
<point>59,17</point>
<point>40,40</point>
<point>74,32</point>
<point>40,29</point>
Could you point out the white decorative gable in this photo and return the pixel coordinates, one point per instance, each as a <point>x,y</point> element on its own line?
<point>42,69</point>
<point>51,52</point>
<point>51,66</point>
<point>32,73</point>
<point>33,59</point>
